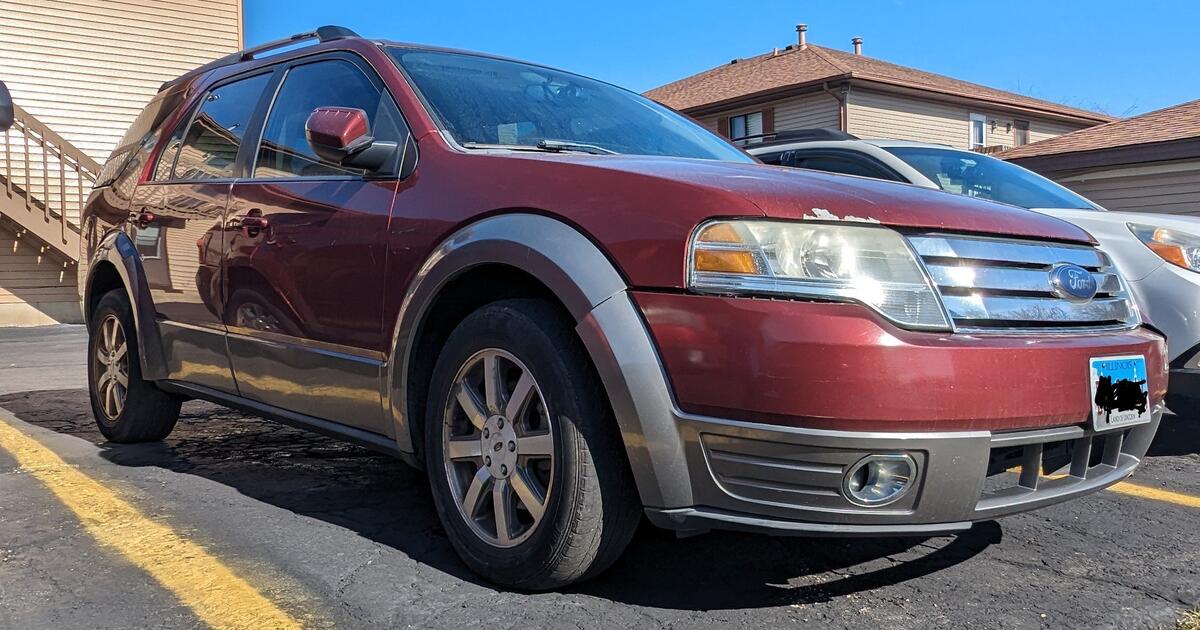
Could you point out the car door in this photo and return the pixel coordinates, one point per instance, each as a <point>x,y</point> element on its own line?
<point>304,271</point>
<point>174,217</point>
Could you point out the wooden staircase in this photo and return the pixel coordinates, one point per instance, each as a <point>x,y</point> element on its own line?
<point>45,182</point>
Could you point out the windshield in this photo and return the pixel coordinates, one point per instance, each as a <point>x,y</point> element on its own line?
<point>977,175</point>
<point>488,102</point>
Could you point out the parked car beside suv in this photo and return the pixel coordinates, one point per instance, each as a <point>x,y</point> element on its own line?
<point>1158,253</point>
<point>574,307</point>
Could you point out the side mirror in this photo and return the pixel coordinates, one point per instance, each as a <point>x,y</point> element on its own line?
<point>6,108</point>
<point>342,135</point>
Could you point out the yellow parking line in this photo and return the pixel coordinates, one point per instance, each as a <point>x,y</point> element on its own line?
<point>217,596</point>
<point>1155,494</point>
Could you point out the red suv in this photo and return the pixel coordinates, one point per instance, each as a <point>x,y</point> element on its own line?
<point>573,307</point>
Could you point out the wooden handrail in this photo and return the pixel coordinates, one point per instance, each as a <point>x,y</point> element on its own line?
<point>24,117</point>
<point>38,195</point>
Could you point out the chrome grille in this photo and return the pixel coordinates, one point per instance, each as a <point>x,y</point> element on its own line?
<point>998,285</point>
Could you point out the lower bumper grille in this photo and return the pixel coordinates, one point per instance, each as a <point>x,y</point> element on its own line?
<point>1032,466</point>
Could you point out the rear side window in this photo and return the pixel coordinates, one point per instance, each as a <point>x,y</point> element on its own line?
<point>843,165</point>
<point>140,138</point>
<point>210,147</point>
<point>284,151</point>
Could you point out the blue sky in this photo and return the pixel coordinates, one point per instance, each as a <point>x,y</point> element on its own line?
<point>1122,58</point>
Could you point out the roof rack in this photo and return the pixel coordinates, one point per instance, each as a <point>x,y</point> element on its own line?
<point>796,135</point>
<point>322,34</point>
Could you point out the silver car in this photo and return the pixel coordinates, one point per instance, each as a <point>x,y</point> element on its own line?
<point>1158,253</point>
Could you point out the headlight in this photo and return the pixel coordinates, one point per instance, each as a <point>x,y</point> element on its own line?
<point>1173,246</point>
<point>860,263</point>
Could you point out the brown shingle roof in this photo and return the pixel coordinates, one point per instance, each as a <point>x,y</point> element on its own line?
<point>813,64</point>
<point>1172,123</point>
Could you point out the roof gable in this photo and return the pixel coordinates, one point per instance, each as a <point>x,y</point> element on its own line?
<point>1180,122</point>
<point>797,66</point>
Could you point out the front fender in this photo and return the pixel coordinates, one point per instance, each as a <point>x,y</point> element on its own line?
<point>117,249</point>
<point>594,293</point>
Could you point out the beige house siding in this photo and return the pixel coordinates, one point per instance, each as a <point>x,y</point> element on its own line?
<point>798,112</point>
<point>85,69</point>
<point>874,114</point>
<point>1169,187</point>
<point>36,287</point>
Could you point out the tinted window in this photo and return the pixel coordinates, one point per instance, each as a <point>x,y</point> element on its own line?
<point>977,175</point>
<point>485,101</point>
<point>141,136</point>
<point>284,151</point>
<point>843,165</point>
<point>211,145</point>
<point>166,159</point>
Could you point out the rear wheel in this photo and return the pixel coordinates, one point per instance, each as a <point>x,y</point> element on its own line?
<point>126,407</point>
<point>525,462</point>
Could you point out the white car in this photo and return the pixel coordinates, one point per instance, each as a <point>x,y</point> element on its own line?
<point>1159,254</point>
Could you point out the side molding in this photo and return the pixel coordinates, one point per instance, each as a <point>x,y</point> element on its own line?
<point>118,250</point>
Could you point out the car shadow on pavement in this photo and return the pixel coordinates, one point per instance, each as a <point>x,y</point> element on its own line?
<point>384,500</point>
<point>1177,435</point>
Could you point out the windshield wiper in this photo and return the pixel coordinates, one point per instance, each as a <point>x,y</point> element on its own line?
<point>545,146</point>
<point>564,145</point>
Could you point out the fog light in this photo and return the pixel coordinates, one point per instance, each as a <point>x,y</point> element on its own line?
<point>879,479</point>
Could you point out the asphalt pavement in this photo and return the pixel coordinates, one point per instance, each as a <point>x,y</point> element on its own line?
<point>336,536</point>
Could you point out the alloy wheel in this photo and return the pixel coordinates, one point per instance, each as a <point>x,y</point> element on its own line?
<point>498,447</point>
<point>112,368</point>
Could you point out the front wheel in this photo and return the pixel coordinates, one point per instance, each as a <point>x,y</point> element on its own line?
<point>127,408</point>
<point>525,462</point>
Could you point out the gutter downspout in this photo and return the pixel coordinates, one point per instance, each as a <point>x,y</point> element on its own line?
<point>841,96</point>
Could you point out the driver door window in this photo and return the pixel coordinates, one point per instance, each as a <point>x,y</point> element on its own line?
<point>284,151</point>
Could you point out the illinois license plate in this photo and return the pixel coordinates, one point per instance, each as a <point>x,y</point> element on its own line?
<point>1120,396</point>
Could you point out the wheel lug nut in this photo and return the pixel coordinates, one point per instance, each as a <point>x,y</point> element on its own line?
<point>512,446</point>
<point>503,469</point>
<point>487,460</point>
<point>486,434</point>
<point>500,423</point>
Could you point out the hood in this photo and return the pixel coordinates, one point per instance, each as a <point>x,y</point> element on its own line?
<point>789,193</point>
<point>1182,223</point>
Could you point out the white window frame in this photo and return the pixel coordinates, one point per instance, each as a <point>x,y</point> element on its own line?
<point>982,120</point>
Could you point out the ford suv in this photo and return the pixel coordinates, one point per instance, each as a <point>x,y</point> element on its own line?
<point>574,307</point>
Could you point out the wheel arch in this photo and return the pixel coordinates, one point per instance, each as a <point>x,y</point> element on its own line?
<point>570,268</point>
<point>504,255</point>
<point>115,265</point>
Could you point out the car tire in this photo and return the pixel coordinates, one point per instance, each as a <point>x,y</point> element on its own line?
<point>127,408</point>
<point>589,508</point>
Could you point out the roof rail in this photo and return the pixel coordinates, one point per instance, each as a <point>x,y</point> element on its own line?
<point>322,34</point>
<point>796,135</point>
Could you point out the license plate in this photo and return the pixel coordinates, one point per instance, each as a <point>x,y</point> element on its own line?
<point>1120,396</point>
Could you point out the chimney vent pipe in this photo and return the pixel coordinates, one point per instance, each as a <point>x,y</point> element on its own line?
<point>857,41</point>
<point>802,35</point>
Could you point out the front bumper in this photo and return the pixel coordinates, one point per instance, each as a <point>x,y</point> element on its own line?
<point>785,480</point>
<point>815,388</point>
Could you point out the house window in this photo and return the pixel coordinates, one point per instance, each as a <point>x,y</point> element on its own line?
<point>978,138</point>
<point>1020,132</point>
<point>748,127</point>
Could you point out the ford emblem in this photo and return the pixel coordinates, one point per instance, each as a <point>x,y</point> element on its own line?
<point>1072,282</point>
